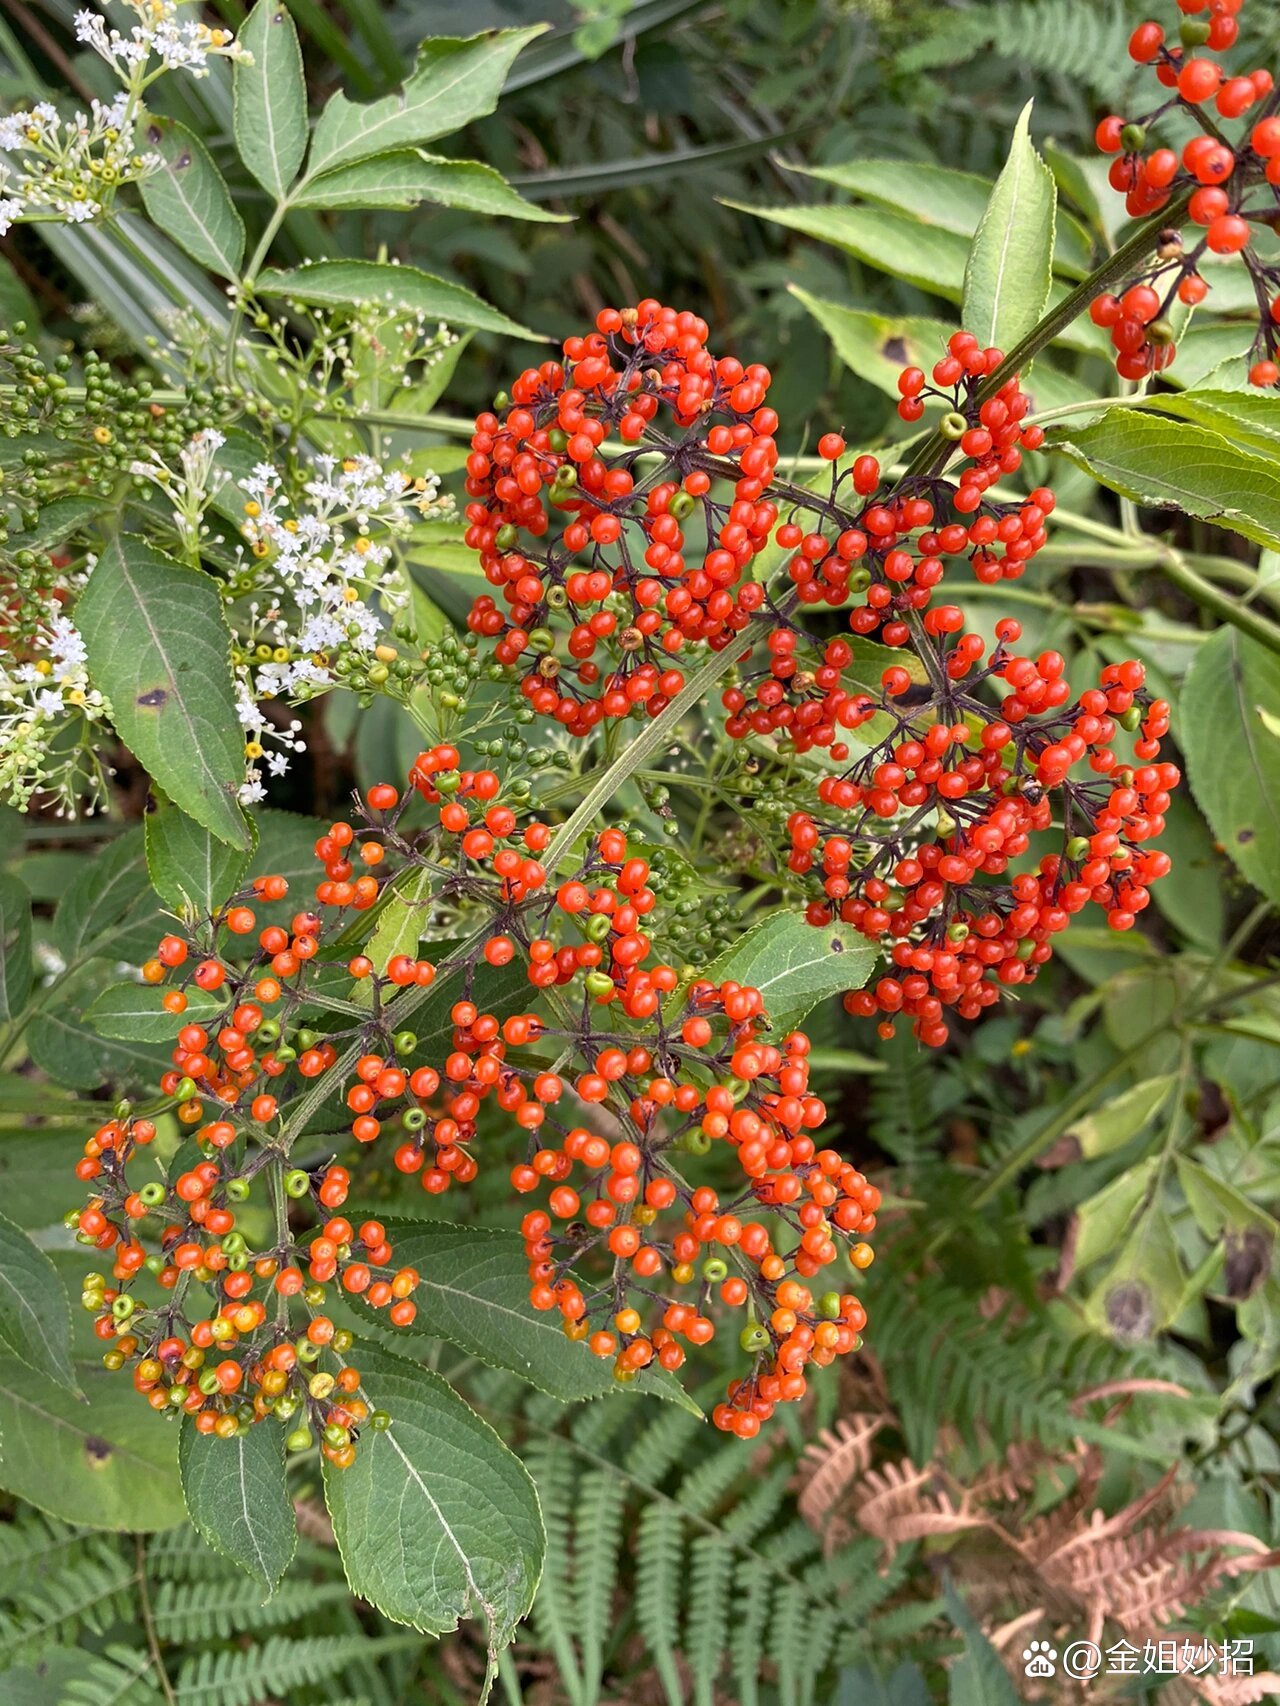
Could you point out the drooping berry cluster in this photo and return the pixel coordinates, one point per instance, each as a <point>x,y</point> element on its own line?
<point>241,1332</point>
<point>951,760</point>
<point>1224,184</point>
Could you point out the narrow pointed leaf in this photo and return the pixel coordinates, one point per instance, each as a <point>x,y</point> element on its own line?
<point>408,176</point>
<point>271,98</point>
<point>344,284</point>
<point>1010,267</point>
<point>455,80</point>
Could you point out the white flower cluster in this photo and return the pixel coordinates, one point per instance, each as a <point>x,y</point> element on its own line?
<point>70,169</point>
<point>330,586</point>
<point>39,695</point>
<point>159,34</point>
<point>66,169</point>
<point>193,487</point>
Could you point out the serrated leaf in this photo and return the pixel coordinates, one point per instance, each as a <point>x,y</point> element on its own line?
<point>238,1499</point>
<point>454,81</point>
<point>1250,419</point>
<point>160,649</point>
<point>108,1463</point>
<point>134,1012</point>
<point>1010,267</point>
<point>15,947</point>
<point>1233,757</point>
<point>1178,465</point>
<point>436,1519</point>
<point>108,910</point>
<point>271,98</point>
<point>35,1322</point>
<point>794,965</point>
<point>408,176</point>
<point>189,867</point>
<point>345,284</point>
<point>474,1291</point>
<point>1113,1123</point>
<point>63,1044</point>
<point>188,199</point>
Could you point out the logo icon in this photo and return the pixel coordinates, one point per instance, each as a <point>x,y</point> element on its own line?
<point>1039,1659</point>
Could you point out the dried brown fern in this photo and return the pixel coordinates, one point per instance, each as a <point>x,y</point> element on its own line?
<point>1068,1565</point>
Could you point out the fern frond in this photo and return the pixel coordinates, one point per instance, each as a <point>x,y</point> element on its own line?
<point>751,1619</point>
<point>659,1589</point>
<point>601,1504</point>
<point>551,1464</point>
<point>88,1593</point>
<point>278,1666</point>
<point>118,1676</point>
<point>663,1443</point>
<point>1081,41</point>
<point>202,1611</point>
<point>706,1623</point>
<point>34,1542</point>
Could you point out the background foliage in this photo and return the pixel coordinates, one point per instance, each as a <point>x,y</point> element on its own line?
<point>1077,1288</point>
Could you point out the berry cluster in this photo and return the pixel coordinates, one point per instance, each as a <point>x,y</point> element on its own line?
<point>566,519</point>
<point>241,1332</point>
<point>1224,185</point>
<point>961,756</point>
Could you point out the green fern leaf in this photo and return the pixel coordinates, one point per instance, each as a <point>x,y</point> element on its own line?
<point>659,1589</point>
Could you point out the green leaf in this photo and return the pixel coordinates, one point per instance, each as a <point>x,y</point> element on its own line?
<point>191,869</point>
<point>408,176</point>
<point>436,1520</point>
<point>271,99</point>
<point>1112,1124</point>
<point>238,1499</point>
<point>109,910</point>
<point>1233,756</point>
<point>160,648</point>
<point>1217,1206</point>
<point>1010,269</point>
<point>1178,465</point>
<point>454,81</point>
<point>977,1678</point>
<point>927,256</point>
<point>794,965</point>
<point>15,947</point>
<point>189,200</point>
<point>1102,1221</point>
<point>63,1044</point>
<point>1250,419</point>
<point>35,1322</point>
<point>135,1012</point>
<point>474,1292</point>
<point>933,195</point>
<point>878,346</point>
<point>344,284</point>
<point>107,1463</point>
